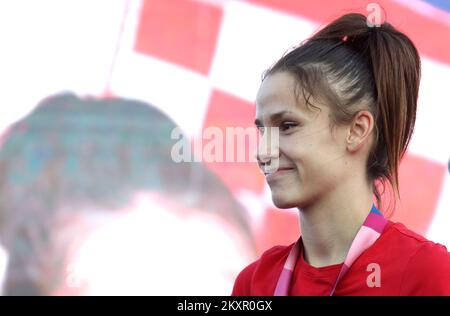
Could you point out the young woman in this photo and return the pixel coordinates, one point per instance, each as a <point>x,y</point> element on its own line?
<point>344,103</point>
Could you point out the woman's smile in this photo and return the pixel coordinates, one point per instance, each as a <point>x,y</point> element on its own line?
<point>280,172</point>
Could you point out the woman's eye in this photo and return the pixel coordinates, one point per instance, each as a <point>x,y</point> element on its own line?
<point>287,126</point>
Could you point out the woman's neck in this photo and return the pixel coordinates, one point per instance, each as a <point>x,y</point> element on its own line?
<point>329,226</point>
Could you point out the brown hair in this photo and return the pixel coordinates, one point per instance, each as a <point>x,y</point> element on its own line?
<point>353,66</point>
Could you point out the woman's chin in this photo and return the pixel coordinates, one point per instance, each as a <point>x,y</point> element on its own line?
<point>283,202</point>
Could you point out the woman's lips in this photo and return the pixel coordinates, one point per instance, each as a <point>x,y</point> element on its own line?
<point>279,172</point>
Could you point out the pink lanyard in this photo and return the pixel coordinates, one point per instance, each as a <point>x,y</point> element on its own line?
<point>368,233</point>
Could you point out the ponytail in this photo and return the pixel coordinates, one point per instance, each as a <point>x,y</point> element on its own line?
<point>396,69</point>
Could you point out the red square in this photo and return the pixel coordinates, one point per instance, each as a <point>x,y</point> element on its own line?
<point>225,110</point>
<point>179,31</point>
<point>421,181</point>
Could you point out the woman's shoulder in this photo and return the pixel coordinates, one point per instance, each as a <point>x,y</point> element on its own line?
<point>396,231</point>
<point>427,270</point>
<point>272,257</point>
<point>402,231</point>
<point>267,266</point>
<point>415,244</point>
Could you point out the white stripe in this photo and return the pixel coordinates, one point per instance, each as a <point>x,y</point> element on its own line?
<point>438,230</point>
<point>251,39</point>
<point>432,131</point>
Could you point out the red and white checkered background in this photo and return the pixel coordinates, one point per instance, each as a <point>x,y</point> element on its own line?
<point>201,63</point>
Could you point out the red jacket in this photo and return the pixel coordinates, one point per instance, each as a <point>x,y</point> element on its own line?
<point>400,262</point>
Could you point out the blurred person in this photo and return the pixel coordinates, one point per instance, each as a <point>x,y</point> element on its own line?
<point>91,203</point>
<point>344,102</point>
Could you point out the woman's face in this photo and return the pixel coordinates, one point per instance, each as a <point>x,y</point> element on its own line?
<point>309,154</point>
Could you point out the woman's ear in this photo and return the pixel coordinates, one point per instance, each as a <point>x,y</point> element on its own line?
<point>360,130</point>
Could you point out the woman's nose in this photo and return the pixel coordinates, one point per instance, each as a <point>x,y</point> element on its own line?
<point>268,147</point>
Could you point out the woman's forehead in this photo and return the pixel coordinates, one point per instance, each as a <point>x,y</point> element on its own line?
<point>275,88</point>
<point>280,93</point>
